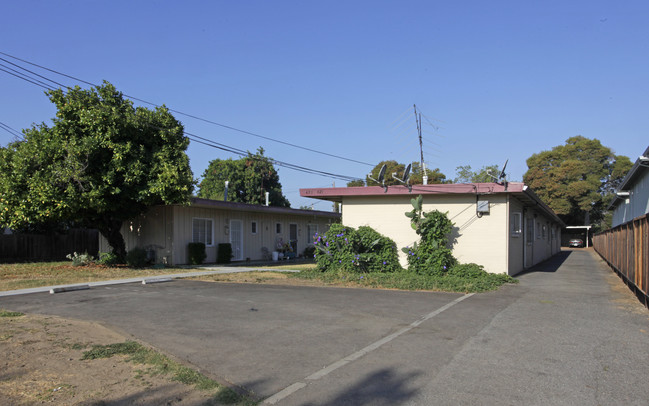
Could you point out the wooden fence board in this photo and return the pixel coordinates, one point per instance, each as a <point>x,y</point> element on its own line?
<point>626,249</point>
<point>50,247</point>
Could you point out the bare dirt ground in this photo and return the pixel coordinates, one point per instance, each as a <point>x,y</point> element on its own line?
<point>42,364</point>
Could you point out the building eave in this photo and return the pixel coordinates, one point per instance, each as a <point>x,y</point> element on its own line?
<point>636,171</point>
<point>256,208</point>
<point>518,189</point>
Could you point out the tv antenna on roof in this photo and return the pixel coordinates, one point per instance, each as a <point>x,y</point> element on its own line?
<point>406,177</point>
<point>381,179</point>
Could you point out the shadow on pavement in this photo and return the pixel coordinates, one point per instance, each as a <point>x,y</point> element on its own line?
<point>383,387</point>
<point>552,264</point>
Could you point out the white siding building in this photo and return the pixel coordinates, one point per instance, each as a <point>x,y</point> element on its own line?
<point>632,197</point>
<point>254,231</point>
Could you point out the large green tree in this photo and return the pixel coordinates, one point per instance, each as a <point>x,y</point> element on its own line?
<point>102,162</point>
<point>467,175</point>
<point>392,166</point>
<point>248,180</point>
<point>577,180</point>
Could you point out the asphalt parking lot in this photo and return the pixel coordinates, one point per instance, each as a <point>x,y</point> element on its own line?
<point>569,333</point>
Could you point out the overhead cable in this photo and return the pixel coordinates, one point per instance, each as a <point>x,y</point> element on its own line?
<point>200,118</point>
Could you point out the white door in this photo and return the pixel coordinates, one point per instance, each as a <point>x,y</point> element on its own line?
<point>236,239</point>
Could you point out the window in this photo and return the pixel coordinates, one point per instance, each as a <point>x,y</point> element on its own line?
<point>545,232</point>
<point>311,230</point>
<point>253,227</point>
<point>202,231</point>
<point>529,231</point>
<point>516,225</point>
<point>538,230</point>
<point>278,228</point>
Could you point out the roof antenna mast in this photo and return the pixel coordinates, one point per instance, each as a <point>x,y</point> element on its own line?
<point>421,147</point>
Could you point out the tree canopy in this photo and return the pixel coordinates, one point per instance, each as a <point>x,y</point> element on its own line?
<point>248,179</point>
<point>467,175</point>
<point>577,180</point>
<point>101,163</point>
<point>392,166</point>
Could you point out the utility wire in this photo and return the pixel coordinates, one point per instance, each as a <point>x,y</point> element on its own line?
<point>200,118</point>
<point>25,79</point>
<point>33,73</point>
<point>11,131</point>
<point>227,148</point>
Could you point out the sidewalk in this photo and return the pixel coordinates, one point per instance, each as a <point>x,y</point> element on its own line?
<point>210,270</point>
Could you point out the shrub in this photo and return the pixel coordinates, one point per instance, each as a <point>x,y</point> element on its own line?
<point>224,254</point>
<point>362,250</point>
<point>80,259</point>
<point>196,251</point>
<point>309,251</point>
<point>108,259</point>
<point>468,271</point>
<point>136,258</point>
<point>432,255</point>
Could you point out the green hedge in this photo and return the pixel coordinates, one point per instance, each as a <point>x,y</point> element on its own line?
<point>224,254</point>
<point>196,253</point>
<point>363,250</point>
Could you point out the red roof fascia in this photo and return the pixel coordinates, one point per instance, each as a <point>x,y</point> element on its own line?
<point>337,193</point>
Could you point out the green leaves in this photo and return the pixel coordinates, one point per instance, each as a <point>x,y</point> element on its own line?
<point>574,179</point>
<point>249,178</point>
<point>430,256</point>
<point>101,163</point>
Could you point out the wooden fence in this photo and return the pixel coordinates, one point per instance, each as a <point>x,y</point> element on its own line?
<point>49,247</point>
<point>626,249</point>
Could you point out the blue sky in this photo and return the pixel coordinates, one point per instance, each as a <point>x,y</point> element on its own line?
<point>496,80</point>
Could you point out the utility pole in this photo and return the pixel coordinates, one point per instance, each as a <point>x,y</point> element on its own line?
<point>421,146</point>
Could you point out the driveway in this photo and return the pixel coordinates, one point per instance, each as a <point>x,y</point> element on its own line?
<point>569,333</point>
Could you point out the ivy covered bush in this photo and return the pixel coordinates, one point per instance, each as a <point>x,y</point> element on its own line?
<point>431,256</point>
<point>363,250</point>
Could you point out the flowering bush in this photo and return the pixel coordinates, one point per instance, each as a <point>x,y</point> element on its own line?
<point>80,259</point>
<point>432,255</point>
<point>362,250</point>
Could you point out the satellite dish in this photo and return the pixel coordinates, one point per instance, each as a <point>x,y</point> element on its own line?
<point>381,179</point>
<point>502,173</point>
<point>405,178</point>
<point>406,174</point>
<point>382,174</point>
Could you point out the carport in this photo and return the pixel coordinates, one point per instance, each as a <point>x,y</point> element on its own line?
<point>585,229</point>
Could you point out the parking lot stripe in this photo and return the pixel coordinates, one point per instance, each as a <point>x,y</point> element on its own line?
<point>360,353</point>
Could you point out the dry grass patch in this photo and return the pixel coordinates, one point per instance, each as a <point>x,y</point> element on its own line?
<point>43,362</point>
<point>32,275</point>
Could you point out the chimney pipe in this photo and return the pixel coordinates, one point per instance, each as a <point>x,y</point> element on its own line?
<point>225,193</point>
<point>267,193</point>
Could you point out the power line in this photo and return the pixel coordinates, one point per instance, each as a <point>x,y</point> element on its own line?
<point>287,165</point>
<point>11,131</point>
<point>200,118</point>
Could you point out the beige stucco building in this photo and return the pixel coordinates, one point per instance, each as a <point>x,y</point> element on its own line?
<point>253,230</point>
<point>505,228</point>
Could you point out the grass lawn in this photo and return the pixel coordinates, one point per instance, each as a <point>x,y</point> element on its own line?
<point>32,275</point>
<point>310,275</point>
